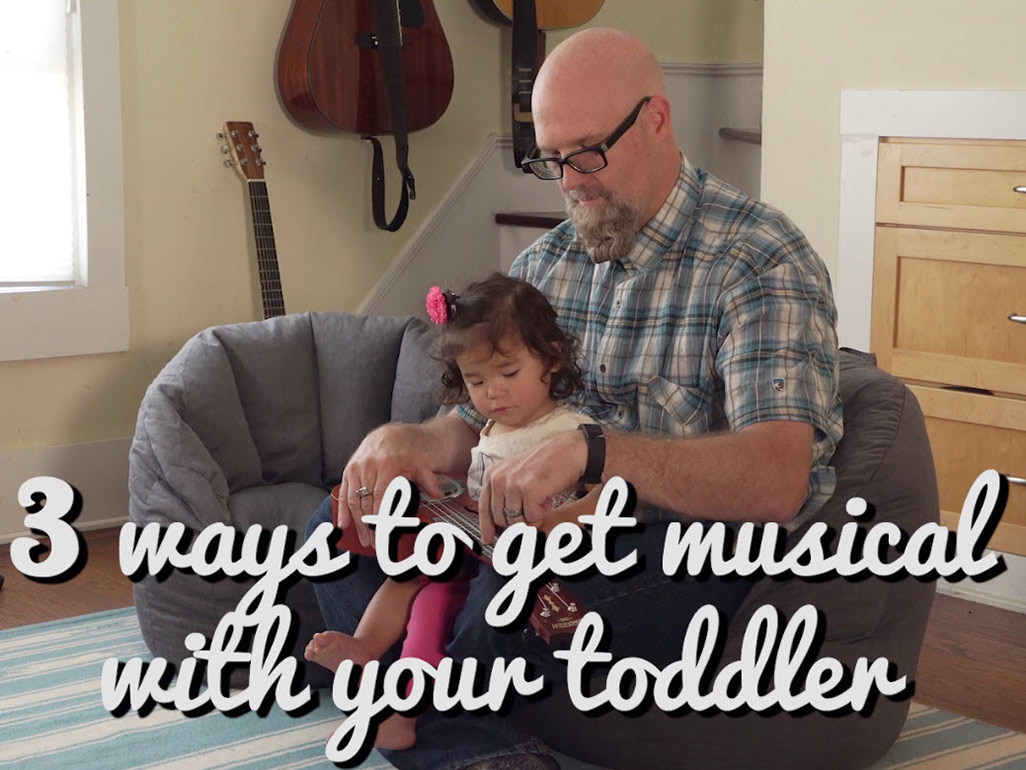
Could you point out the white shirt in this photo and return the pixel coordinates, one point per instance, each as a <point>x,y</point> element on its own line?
<point>492,448</point>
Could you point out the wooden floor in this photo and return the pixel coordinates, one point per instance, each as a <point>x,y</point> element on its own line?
<point>973,660</point>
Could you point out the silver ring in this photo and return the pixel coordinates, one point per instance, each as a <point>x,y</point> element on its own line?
<point>510,514</point>
<point>363,492</point>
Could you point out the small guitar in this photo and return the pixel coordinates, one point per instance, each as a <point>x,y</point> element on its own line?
<point>555,613</point>
<point>241,144</point>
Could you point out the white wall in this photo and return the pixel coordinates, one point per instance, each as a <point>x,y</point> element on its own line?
<point>814,49</point>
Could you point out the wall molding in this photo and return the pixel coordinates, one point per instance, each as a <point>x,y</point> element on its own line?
<point>711,69</point>
<point>973,593</point>
<point>97,469</point>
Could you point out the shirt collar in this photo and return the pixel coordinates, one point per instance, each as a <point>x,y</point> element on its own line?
<point>663,230</point>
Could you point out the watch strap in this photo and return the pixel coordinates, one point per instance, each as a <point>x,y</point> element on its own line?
<point>596,453</point>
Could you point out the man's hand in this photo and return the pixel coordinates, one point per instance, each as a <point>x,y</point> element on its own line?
<point>414,451</point>
<point>528,481</point>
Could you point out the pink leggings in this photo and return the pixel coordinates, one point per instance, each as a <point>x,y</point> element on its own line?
<point>432,615</point>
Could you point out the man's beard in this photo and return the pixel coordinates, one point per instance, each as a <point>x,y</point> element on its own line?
<point>606,230</point>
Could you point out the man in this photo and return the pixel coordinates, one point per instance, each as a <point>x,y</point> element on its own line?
<point>707,329</point>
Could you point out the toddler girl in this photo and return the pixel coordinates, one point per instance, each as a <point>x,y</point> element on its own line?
<point>502,350</point>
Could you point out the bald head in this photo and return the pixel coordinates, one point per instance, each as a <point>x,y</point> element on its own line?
<point>603,88</point>
<point>600,67</point>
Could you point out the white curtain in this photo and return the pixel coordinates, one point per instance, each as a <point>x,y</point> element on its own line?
<point>38,240</point>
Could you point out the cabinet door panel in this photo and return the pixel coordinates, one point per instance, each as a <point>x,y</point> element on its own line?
<point>938,183</point>
<point>945,305</point>
<point>971,433</point>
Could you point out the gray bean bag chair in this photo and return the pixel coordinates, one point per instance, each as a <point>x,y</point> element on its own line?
<point>884,458</point>
<point>252,423</point>
<point>231,431</point>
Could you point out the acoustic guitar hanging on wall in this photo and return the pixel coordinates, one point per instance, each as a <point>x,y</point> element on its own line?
<point>241,144</point>
<point>530,19</point>
<point>370,67</point>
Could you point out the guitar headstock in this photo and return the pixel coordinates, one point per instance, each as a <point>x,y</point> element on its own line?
<point>241,144</point>
<point>556,613</point>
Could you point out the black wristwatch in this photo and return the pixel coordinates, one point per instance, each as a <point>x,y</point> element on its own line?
<point>596,453</point>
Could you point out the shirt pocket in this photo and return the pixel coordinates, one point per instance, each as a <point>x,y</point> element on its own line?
<point>678,410</point>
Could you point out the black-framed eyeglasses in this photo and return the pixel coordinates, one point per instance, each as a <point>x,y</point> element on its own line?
<point>587,160</point>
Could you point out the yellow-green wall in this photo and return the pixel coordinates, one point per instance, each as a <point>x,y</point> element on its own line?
<point>189,65</point>
<point>814,49</point>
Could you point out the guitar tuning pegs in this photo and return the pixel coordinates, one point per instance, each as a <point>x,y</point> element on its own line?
<point>235,132</point>
<point>220,135</point>
<point>253,134</point>
<point>225,149</point>
<point>229,163</point>
<point>257,148</point>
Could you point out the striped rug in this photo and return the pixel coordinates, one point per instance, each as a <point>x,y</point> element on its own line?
<point>51,717</point>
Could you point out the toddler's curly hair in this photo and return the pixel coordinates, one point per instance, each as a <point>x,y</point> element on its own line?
<point>495,311</point>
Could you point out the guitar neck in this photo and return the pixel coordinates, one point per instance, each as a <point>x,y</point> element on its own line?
<point>267,257</point>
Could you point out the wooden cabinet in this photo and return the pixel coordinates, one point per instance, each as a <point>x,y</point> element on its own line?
<point>949,308</point>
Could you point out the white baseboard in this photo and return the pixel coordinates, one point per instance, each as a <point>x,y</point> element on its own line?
<point>1007,590</point>
<point>97,469</point>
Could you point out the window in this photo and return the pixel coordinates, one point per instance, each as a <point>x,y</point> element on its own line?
<point>62,287</point>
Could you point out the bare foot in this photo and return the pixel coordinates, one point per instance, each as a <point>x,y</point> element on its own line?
<point>330,648</point>
<point>397,732</point>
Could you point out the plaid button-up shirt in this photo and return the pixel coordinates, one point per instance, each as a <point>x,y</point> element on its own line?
<point>720,317</point>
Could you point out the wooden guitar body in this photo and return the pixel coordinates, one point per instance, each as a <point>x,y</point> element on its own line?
<point>552,14</point>
<point>330,75</point>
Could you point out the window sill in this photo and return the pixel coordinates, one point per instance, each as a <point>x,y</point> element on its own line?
<point>63,322</point>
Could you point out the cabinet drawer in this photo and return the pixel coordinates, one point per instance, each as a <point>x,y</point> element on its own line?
<point>946,304</point>
<point>969,434</point>
<point>965,185</point>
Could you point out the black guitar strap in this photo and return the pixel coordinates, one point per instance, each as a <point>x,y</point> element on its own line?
<point>390,46</point>
<point>525,64</point>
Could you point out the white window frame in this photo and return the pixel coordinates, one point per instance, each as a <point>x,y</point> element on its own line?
<point>92,316</point>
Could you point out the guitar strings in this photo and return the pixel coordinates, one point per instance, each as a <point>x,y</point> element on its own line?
<point>463,520</point>
<point>272,296</point>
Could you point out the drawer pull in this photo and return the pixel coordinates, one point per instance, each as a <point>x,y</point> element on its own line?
<point>1015,480</point>
<point>1019,319</point>
<point>967,389</point>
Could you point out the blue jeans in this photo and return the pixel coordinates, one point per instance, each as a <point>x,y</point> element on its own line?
<point>655,608</point>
